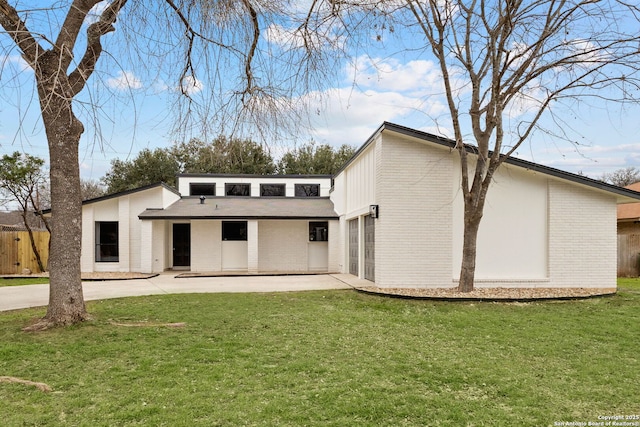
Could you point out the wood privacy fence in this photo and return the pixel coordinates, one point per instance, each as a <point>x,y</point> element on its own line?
<point>628,255</point>
<point>16,253</point>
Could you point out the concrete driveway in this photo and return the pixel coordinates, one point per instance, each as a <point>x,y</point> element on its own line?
<point>17,297</point>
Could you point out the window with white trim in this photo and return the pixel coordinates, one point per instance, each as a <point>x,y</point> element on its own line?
<point>307,190</point>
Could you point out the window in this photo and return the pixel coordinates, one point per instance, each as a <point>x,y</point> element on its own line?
<point>202,189</point>
<point>107,241</point>
<point>318,231</point>
<point>237,189</point>
<point>307,190</point>
<point>272,190</point>
<point>234,230</point>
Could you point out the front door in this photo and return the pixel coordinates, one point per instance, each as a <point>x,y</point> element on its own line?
<point>181,245</point>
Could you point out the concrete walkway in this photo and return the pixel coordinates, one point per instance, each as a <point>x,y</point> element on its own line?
<point>17,297</point>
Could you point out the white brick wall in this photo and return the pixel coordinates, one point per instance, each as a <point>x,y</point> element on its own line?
<point>582,237</point>
<point>414,229</point>
<point>206,239</point>
<point>336,246</point>
<point>283,245</point>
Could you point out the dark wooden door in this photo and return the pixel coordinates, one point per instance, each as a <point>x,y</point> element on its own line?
<point>181,245</point>
<point>369,248</point>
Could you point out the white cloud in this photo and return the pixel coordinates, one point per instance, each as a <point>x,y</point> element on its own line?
<point>592,160</point>
<point>348,115</point>
<point>16,61</point>
<point>125,80</point>
<point>191,85</point>
<point>94,13</point>
<point>419,77</point>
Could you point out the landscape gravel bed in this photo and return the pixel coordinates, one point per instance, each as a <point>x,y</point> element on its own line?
<point>508,294</point>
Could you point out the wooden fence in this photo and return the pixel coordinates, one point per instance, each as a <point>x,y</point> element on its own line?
<point>16,253</point>
<point>628,255</point>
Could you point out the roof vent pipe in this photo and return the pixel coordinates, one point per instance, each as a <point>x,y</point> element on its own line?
<point>202,200</point>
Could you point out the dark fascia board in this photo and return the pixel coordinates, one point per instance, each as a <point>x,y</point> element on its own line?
<point>243,175</point>
<point>536,167</point>
<point>124,193</point>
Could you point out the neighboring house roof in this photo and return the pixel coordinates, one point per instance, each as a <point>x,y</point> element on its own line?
<point>246,208</point>
<point>630,211</point>
<point>12,221</point>
<point>623,195</point>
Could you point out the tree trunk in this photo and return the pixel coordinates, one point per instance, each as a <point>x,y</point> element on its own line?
<point>474,200</point>
<point>63,129</point>
<point>472,219</point>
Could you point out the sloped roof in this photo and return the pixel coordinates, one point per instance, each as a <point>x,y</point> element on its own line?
<point>630,211</point>
<point>134,190</point>
<point>623,195</point>
<point>245,208</point>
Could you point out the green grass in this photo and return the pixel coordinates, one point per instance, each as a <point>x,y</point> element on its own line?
<point>332,358</point>
<point>629,284</point>
<point>23,281</point>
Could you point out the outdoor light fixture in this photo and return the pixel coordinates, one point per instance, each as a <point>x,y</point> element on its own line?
<point>374,211</point>
<point>202,200</point>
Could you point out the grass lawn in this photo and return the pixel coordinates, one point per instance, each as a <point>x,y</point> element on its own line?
<point>335,358</point>
<point>23,281</point>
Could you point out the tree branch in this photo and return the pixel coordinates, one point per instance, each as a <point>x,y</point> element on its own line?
<point>17,30</point>
<point>71,28</point>
<point>252,50</point>
<point>78,78</point>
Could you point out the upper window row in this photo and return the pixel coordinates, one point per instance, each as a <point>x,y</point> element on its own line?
<point>266,190</point>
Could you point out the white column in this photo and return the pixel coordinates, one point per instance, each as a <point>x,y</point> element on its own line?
<point>146,255</point>
<point>88,253</point>
<point>124,242</point>
<point>252,246</point>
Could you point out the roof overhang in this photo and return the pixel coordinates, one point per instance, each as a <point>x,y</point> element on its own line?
<point>622,195</point>
<point>243,208</point>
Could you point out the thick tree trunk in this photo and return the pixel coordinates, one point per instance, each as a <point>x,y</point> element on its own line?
<point>63,129</point>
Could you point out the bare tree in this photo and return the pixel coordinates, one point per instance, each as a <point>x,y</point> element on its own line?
<point>220,43</point>
<point>507,64</point>
<point>622,177</point>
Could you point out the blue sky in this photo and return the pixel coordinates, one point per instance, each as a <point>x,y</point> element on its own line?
<point>136,112</point>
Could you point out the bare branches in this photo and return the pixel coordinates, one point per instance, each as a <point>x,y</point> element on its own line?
<point>78,78</point>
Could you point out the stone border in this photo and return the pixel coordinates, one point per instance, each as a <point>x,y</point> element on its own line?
<point>490,294</point>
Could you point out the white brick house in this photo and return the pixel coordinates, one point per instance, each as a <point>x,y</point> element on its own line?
<point>392,215</point>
